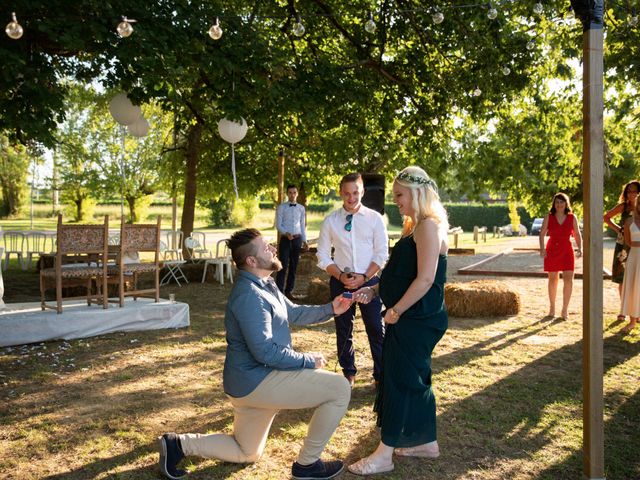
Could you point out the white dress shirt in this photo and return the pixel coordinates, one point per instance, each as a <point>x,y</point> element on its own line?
<point>366,242</point>
<point>290,219</point>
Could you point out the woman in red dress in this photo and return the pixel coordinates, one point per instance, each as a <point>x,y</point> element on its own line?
<point>558,254</point>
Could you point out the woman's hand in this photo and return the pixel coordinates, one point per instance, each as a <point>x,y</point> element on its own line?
<point>578,253</point>
<point>391,316</point>
<point>364,295</point>
<point>543,252</point>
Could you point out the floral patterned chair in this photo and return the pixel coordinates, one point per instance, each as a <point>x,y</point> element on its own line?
<point>135,239</point>
<point>88,245</point>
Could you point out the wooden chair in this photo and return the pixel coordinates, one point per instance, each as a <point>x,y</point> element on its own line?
<point>133,240</point>
<point>85,242</point>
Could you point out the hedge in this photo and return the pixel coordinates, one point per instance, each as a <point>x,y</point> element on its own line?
<point>469,215</point>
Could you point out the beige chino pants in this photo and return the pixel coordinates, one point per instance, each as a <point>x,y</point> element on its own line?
<point>254,413</point>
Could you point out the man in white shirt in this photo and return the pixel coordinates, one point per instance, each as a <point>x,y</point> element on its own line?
<point>359,238</point>
<point>290,222</point>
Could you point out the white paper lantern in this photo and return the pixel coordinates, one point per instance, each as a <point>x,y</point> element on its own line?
<point>139,128</point>
<point>123,111</point>
<point>231,131</point>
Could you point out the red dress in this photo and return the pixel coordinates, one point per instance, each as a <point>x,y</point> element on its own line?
<point>559,248</point>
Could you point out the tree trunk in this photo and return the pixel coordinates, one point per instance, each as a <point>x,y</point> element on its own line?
<point>79,212</point>
<point>190,184</point>
<point>133,214</point>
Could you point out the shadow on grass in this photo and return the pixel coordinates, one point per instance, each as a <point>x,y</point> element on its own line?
<point>518,416</point>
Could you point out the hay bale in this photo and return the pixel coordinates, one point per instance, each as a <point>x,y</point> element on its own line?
<point>306,264</point>
<point>318,291</point>
<point>481,298</point>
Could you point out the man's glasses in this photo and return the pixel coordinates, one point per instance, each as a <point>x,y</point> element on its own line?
<point>347,226</point>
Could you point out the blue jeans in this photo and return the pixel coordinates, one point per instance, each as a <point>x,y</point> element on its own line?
<point>374,326</point>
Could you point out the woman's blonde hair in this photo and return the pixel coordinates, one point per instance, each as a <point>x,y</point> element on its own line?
<point>424,199</point>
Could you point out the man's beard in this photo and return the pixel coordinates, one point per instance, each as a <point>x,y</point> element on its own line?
<point>274,265</point>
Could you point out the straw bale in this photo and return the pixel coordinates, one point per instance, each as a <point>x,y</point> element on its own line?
<point>481,298</point>
<point>307,264</point>
<point>318,291</point>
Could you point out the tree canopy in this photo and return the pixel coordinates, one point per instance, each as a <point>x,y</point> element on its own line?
<point>467,96</point>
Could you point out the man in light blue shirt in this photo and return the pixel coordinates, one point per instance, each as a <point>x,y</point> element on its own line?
<point>264,374</point>
<point>290,222</point>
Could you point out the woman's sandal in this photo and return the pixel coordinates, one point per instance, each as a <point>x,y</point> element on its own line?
<point>621,318</point>
<point>365,466</point>
<point>627,328</point>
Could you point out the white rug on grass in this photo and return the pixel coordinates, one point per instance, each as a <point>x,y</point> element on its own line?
<point>22,323</point>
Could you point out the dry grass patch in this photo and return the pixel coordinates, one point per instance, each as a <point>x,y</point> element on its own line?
<point>508,390</point>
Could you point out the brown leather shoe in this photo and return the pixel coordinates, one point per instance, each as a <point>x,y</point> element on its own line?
<point>351,379</point>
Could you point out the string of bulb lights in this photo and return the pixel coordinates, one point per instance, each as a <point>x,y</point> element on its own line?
<point>15,31</point>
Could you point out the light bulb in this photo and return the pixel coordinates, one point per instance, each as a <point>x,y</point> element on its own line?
<point>434,121</point>
<point>437,17</point>
<point>537,8</point>
<point>419,132</point>
<point>633,21</point>
<point>370,25</point>
<point>14,29</point>
<point>492,13</point>
<point>506,70</point>
<point>298,28</point>
<point>215,32</point>
<point>124,28</point>
<point>477,92</point>
<point>385,147</point>
<point>531,45</point>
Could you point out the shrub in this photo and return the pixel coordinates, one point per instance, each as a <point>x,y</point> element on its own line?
<point>244,211</point>
<point>220,213</point>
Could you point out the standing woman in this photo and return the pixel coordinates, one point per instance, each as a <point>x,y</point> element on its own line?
<point>624,209</point>
<point>558,255</point>
<point>631,283</point>
<point>412,288</point>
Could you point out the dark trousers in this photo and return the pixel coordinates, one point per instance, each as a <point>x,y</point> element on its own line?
<point>373,324</point>
<point>288,253</point>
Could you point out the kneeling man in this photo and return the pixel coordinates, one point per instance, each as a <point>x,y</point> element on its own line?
<point>264,374</point>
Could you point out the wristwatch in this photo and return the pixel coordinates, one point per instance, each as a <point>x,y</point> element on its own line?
<point>366,279</point>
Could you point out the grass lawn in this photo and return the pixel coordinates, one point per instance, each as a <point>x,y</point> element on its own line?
<point>508,391</point>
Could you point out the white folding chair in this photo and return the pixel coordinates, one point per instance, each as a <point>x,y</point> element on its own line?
<point>173,261</point>
<point>36,245</point>
<point>221,262</point>
<point>13,243</point>
<point>173,244</point>
<point>196,247</point>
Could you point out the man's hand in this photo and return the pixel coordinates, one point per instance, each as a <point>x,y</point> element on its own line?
<point>289,236</point>
<point>320,361</point>
<point>341,304</point>
<point>352,281</point>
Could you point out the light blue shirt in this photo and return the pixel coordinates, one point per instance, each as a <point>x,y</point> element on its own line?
<point>258,338</point>
<point>291,220</point>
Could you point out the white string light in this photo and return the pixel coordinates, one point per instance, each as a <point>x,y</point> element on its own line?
<point>298,28</point>
<point>370,25</point>
<point>437,17</point>
<point>538,8</point>
<point>124,28</point>
<point>506,70</point>
<point>14,29</point>
<point>492,13</point>
<point>215,32</point>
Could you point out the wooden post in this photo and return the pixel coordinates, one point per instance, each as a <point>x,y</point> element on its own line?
<point>592,179</point>
<point>281,191</point>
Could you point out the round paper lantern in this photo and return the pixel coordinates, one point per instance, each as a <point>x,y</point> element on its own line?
<point>139,128</point>
<point>123,111</point>
<point>231,131</point>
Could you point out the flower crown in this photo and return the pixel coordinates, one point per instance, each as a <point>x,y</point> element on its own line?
<point>407,177</point>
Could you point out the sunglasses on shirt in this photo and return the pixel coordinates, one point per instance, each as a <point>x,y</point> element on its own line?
<point>347,226</point>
